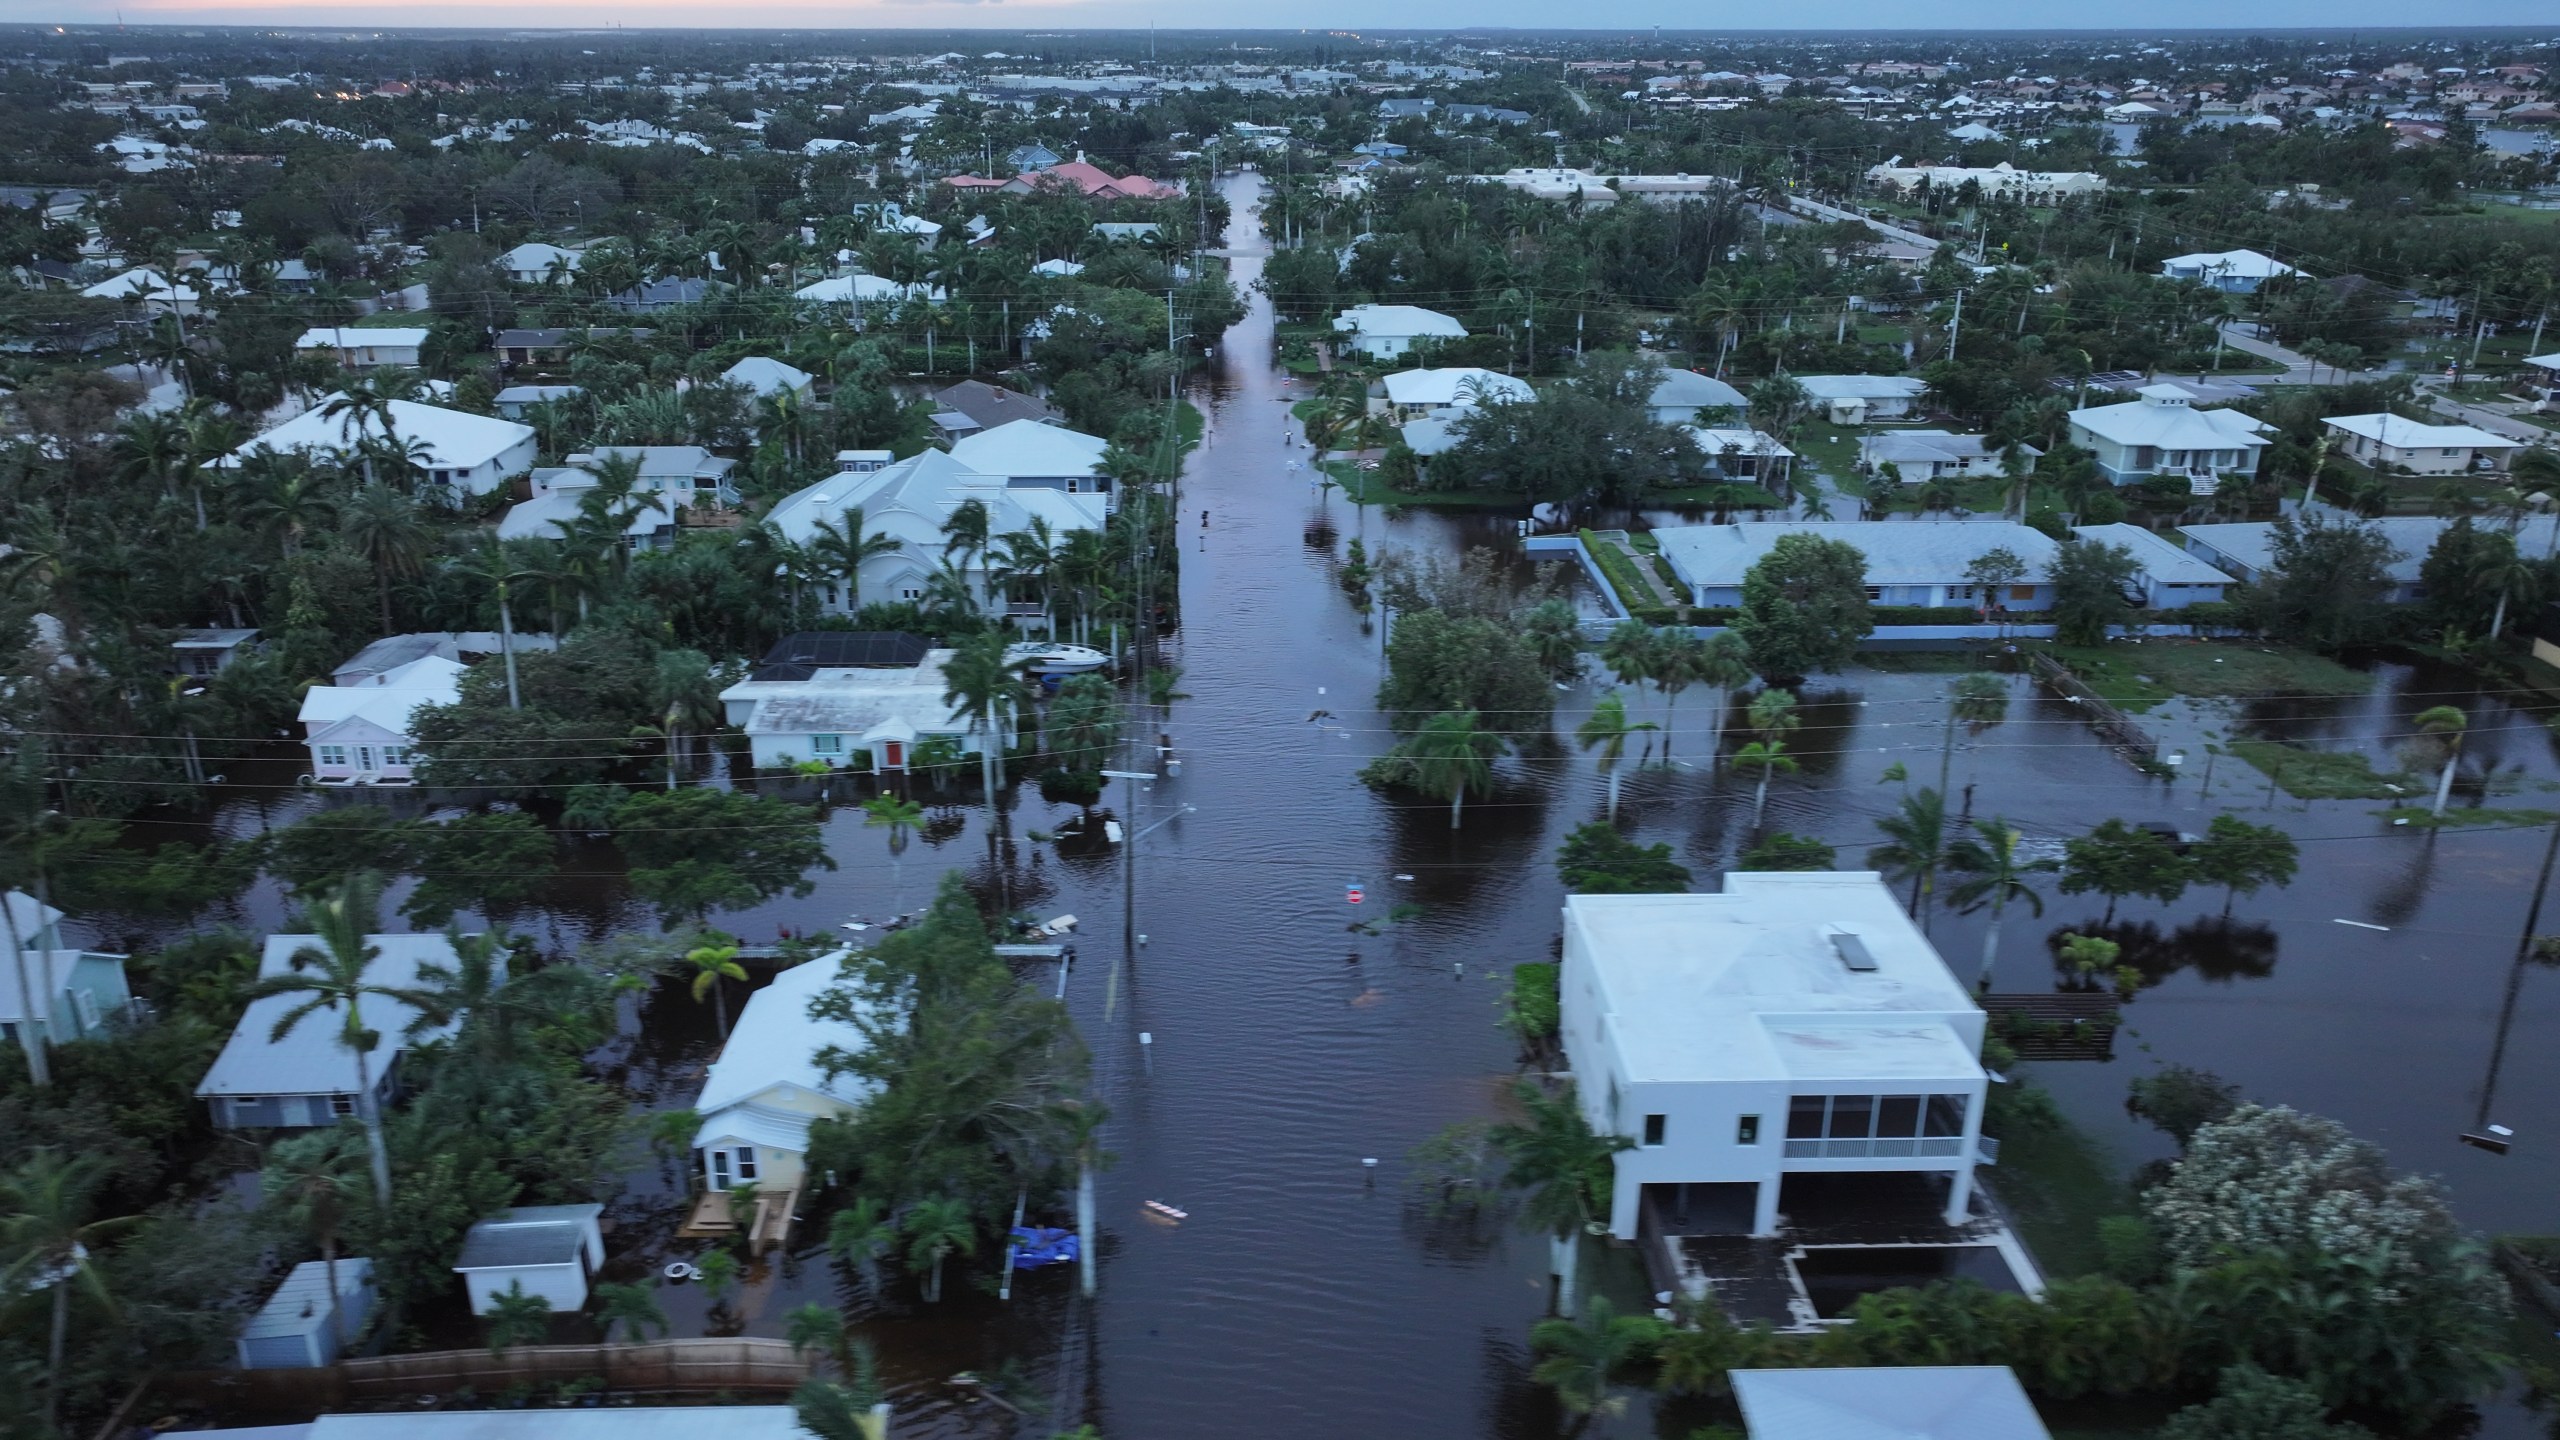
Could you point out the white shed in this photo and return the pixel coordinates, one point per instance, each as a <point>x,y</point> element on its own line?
<point>299,1327</point>
<point>551,1250</point>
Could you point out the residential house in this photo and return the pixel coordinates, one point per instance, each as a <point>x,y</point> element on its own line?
<point>974,405</point>
<point>360,734</point>
<point>1864,399</point>
<point>1744,454</point>
<point>301,1325</point>
<point>651,296</point>
<point>1078,176</point>
<point>767,377</point>
<point>1389,332</point>
<point>2173,577</point>
<point>912,498</point>
<point>1057,269</point>
<point>50,986</point>
<point>306,1078</point>
<point>863,290</point>
<point>1484,114</point>
<point>380,658</point>
<point>1034,156</point>
<point>516,401</point>
<point>1594,191</point>
<point>2235,272</point>
<point>1406,109</point>
<point>1686,397</point>
<point>766,1088</point>
<point>1795,1024</point>
<point>672,479</point>
<point>2388,442</point>
<point>1920,456</point>
<point>474,454</point>
<point>1993,182</point>
<point>204,653</point>
<point>549,1251</point>
<point>537,263</point>
<point>148,291</point>
<point>2245,549</point>
<point>868,717</point>
<point>540,347</point>
<point>1908,563</point>
<point>1887,1402</point>
<point>2162,433</point>
<point>2541,380</point>
<point>1027,454</point>
<point>362,348</point>
<point>1410,395</point>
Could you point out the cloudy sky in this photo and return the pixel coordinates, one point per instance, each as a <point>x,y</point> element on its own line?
<point>1347,14</point>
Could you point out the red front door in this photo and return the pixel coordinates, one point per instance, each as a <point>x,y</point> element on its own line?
<point>894,753</point>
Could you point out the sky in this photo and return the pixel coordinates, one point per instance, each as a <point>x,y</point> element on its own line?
<point>1267,14</point>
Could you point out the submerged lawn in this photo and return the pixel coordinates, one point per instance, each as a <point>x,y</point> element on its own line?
<point>2137,676</point>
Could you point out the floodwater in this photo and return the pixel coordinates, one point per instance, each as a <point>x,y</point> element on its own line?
<point>1258,1050</point>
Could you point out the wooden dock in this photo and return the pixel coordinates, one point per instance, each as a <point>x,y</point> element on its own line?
<point>714,1217</point>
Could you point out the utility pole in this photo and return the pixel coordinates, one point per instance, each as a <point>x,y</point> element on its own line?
<point>1128,882</point>
<point>1955,325</point>
<point>2483,1136</point>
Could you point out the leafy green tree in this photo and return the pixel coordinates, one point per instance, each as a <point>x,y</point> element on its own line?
<point>2468,574</point>
<point>1785,851</point>
<point>2089,579</point>
<point>332,975</point>
<point>2117,860</point>
<point>1627,651</point>
<point>2250,1404</point>
<point>1449,755</point>
<point>935,1230</point>
<point>1994,874</point>
<point>1915,844</point>
<point>1606,729</point>
<point>492,862</point>
<point>1564,1168</point>
<point>1597,860</point>
<point>2241,857</point>
<point>2181,1100</point>
<point>2327,584</point>
<point>1439,663</point>
<point>515,1318</point>
<point>1554,635</point>
<point>695,851</point>
<point>1581,1360</point>
<point>633,1309</point>
<point>1084,723</point>
<point>1804,607</point>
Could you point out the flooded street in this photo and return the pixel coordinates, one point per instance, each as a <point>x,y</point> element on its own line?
<point>1258,1049</point>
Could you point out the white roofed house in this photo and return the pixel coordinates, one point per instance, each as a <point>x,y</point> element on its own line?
<point>1859,399</point>
<point>764,376</point>
<point>766,1089</point>
<point>49,986</point>
<point>307,1077</point>
<point>474,454</point>
<point>1796,1024</point>
<point>2388,442</point>
<point>2162,433</point>
<point>671,479</point>
<point>359,734</point>
<point>1744,454</point>
<point>536,262</point>
<point>2236,272</point>
<point>1686,397</point>
<point>2541,380</point>
<point>1389,332</point>
<point>2172,576</point>
<point>366,347</point>
<point>551,1251</point>
<point>1919,456</point>
<point>1413,394</point>
<point>1908,563</point>
<point>864,716</point>
<point>149,291</point>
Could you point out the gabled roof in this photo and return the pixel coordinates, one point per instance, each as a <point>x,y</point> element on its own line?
<point>775,1044</point>
<point>2401,434</point>
<point>2167,422</point>
<point>362,337</point>
<point>527,1235</point>
<point>862,290</point>
<point>993,405</point>
<point>2236,264</point>
<point>1862,387</point>
<point>455,439</point>
<point>387,701</point>
<point>1027,448</point>
<point>1455,385</point>
<point>1688,389</point>
<point>767,376</point>
<point>927,487</point>
<point>1399,321</point>
<point>2162,559</point>
<point>144,284</point>
<point>1903,1402</point>
<point>308,1060</point>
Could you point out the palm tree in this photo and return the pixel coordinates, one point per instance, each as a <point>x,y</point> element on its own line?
<point>382,525</point>
<point>861,1232</point>
<point>713,962</point>
<point>841,547</point>
<point>286,500</point>
<point>832,1411</point>
<point>982,687</point>
<point>1606,729</point>
<point>1979,702</point>
<point>687,698</point>
<point>2440,730</point>
<point>49,1241</point>
<point>964,532</point>
<point>1562,1162</point>
<point>1723,662</point>
<point>1580,1359</point>
<point>935,1229</point>
<point>516,1318</point>
<point>316,1179</point>
<point>1679,661</point>
<point>1628,652</point>
<point>1915,843</point>
<point>1993,872</point>
<point>363,405</point>
<point>1449,754</point>
<point>821,1327</point>
<point>491,563</point>
<point>901,817</point>
<point>2515,578</point>
<point>1771,718</point>
<point>634,1308</point>
<point>1029,556</point>
<point>331,975</point>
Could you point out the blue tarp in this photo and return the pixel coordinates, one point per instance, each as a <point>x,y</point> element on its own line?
<point>1035,1246</point>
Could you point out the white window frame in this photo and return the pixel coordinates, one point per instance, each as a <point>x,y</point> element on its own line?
<point>826,744</point>
<point>718,1157</point>
<point>744,1158</point>
<point>334,755</point>
<point>342,1105</point>
<point>394,755</point>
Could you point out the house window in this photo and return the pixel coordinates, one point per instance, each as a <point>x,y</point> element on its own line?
<point>1959,592</point>
<point>395,755</point>
<point>911,592</point>
<point>2022,592</point>
<point>1653,1129</point>
<point>1746,1131</point>
<point>719,1169</point>
<point>746,1162</point>
<point>1875,592</point>
<point>333,754</point>
<point>342,1105</point>
<point>826,744</point>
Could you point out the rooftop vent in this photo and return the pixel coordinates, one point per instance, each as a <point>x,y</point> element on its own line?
<point>1852,951</point>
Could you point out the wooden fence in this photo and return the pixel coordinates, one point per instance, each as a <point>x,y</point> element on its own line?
<point>2113,725</point>
<point>742,1365</point>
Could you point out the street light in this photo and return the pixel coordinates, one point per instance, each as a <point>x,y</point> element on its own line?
<point>1128,883</point>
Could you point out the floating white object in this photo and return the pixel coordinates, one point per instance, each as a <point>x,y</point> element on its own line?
<point>679,1270</point>
<point>854,925</point>
<point>1111,831</point>
<point>2362,925</point>
<point>1369,1161</point>
<point>1058,925</point>
<point>2500,1130</point>
<point>1160,1208</point>
<point>1404,877</point>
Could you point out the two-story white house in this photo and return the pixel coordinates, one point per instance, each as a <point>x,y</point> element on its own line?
<point>1795,1024</point>
<point>766,1088</point>
<point>842,698</point>
<point>360,734</point>
<point>1389,332</point>
<point>2162,433</point>
<point>910,500</point>
<point>1908,562</point>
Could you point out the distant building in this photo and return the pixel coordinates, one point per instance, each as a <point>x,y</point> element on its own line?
<point>550,1251</point>
<point>474,454</point>
<point>974,405</point>
<point>2172,576</point>
<point>2385,441</point>
<point>1389,332</point>
<point>1920,456</point>
<point>203,653</point>
<point>537,263</point>
<point>1598,191</point>
<point>300,1325</point>
<point>1412,394</point>
<point>362,348</point>
<point>2245,549</point>
<point>866,717</point>
<point>1863,399</point>
<point>767,377</point>
<point>1887,1402</point>
<point>2237,272</point>
<point>1684,397</point>
<point>1995,182</point>
<point>52,986</point>
<point>1078,176</point>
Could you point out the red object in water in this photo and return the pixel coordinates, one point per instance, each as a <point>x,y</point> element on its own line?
<point>1352,894</point>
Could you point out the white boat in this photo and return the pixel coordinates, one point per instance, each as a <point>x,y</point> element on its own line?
<point>1048,657</point>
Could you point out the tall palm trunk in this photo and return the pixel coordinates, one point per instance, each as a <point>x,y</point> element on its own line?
<point>1457,804</point>
<point>53,1350</point>
<point>1760,798</point>
<point>376,1152</point>
<point>1565,1258</point>
<point>30,1039</point>
<point>1613,794</point>
<point>1991,945</point>
<point>2444,783</point>
<point>507,647</point>
<point>1084,1221</point>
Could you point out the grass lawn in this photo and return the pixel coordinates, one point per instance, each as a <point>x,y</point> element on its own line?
<point>2058,1184</point>
<point>2417,815</point>
<point>2322,774</point>
<point>1833,450</point>
<point>2137,677</point>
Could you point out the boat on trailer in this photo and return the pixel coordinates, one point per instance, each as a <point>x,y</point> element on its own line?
<point>1054,657</point>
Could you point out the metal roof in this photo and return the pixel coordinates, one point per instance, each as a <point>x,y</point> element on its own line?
<point>308,1060</point>
<point>301,1304</point>
<point>528,1235</point>
<point>1902,1402</point>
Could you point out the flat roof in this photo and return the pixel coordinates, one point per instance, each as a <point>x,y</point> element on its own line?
<point>1748,985</point>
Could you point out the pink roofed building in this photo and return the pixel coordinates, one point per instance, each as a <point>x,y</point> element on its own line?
<point>1087,179</point>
